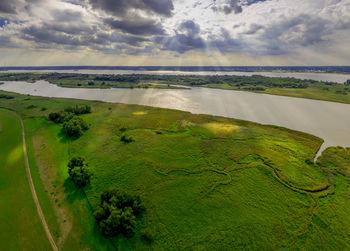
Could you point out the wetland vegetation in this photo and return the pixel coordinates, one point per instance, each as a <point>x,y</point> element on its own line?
<point>204,182</point>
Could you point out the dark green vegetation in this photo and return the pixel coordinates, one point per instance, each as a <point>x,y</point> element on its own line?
<point>4,96</point>
<point>117,213</point>
<point>207,183</point>
<point>85,80</point>
<point>20,225</point>
<point>278,86</point>
<point>79,171</point>
<point>73,126</point>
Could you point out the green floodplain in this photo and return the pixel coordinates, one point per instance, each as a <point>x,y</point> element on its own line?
<point>207,183</point>
<point>329,91</point>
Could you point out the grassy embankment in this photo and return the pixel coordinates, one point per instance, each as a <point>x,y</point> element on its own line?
<point>207,182</point>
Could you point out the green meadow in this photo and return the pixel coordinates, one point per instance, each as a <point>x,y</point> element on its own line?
<point>20,226</point>
<point>208,183</point>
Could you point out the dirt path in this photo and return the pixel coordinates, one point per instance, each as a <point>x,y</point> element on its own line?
<point>32,188</point>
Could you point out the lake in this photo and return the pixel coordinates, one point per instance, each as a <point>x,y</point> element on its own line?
<point>330,77</point>
<point>327,120</point>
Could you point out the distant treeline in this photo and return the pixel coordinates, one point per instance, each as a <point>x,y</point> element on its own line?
<point>245,82</point>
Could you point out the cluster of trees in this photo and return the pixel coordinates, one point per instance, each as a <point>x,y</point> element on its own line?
<point>117,213</point>
<point>79,171</point>
<point>73,125</point>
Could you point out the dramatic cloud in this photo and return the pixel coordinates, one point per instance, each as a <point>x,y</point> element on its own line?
<point>123,7</point>
<point>167,31</point>
<point>139,26</point>
<point>7,7</point>
<point>187,39</point>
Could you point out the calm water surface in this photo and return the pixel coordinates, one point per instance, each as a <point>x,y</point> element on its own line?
<point>330,77</point>
<point>327,120</point>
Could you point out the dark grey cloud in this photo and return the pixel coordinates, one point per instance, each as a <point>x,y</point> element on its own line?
<point>190,28</point>
<point>225,43</point>
<point>303,30</point>
<point>104,38</point>
<point>7,6</point>
<point>123,7</point>
<point>230,6</point>
<point>43,35</point>
<point>139,26</point>
<point>187,38</point>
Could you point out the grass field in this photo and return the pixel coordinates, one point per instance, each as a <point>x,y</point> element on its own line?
<point>320,91</point>
<point>208,183</point>
<point>20,226</point>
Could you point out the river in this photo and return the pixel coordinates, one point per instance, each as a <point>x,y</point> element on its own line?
<point>327,120</point>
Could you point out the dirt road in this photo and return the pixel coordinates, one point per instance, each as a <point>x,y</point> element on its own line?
<point>32,188</point>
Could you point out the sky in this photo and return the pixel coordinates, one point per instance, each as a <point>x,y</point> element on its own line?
<point>174,32</point>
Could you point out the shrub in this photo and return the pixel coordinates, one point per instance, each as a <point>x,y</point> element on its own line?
<point>74,127</point>
<point>78,171</point>
<point>127,139</point>
<point>117,213</point>
<point>60,117</point>
<point>147,235</point>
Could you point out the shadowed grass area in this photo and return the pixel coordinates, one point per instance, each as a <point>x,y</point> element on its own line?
<point>208,183</point>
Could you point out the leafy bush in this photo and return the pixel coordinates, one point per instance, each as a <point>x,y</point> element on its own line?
<point>127,139</point>
<point>78,171</point>
<point>74,127</point>
<point>117,213</point>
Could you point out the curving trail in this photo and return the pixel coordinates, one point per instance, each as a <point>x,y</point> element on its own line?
<point>32,187</point>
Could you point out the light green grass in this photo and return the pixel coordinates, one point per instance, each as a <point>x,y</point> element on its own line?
<point>20,226</point>
<point>208,183</point>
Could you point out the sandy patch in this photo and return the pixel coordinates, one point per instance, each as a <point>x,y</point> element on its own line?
<point>140,113</point>
<point>221,129</point>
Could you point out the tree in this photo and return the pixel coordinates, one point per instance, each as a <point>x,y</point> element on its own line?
<point>61,117</point>
<point>79,171</point>
<point>74,127</point>
<point>117,213</point>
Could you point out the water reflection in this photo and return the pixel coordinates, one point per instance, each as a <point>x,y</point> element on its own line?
<point>328,120</point>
